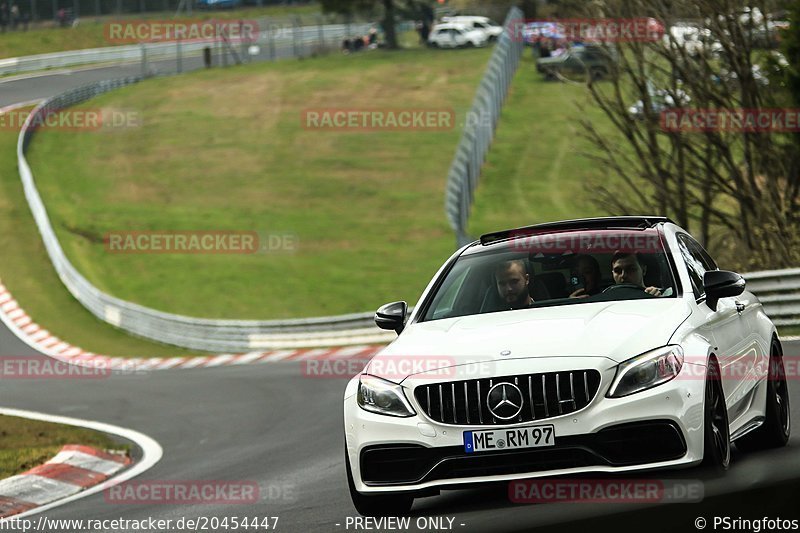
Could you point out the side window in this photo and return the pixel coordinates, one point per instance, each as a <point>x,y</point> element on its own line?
<point>446,303</point>
<point>697,262</point>
<point>708,261</point>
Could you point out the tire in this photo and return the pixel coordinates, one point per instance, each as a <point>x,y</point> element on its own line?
<point>775,431</point>
<point>366,505</point>
<point>716,431</point>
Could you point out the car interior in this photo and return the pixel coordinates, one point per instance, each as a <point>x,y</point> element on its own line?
<point>553,278</point>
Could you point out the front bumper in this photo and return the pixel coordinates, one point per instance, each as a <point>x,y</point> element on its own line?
<point>657,428</point>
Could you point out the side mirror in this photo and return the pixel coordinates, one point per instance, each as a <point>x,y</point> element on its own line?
<point>721,284</point>
<point>392,316</point>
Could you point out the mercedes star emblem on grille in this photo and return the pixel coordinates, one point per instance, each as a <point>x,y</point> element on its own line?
<point>504,401</point>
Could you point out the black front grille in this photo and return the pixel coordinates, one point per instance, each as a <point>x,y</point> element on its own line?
<point>543,396</point>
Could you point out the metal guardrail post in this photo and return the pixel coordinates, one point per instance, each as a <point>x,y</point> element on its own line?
<point>179,56</point>
<point>144,60</point>
<point>320,34</point>
<point>271,39</point>
<point>295,37</point>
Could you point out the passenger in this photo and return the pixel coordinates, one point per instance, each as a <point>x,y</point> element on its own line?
<point>513,283</point>
<point>589,269</point>
<point>627,267</point>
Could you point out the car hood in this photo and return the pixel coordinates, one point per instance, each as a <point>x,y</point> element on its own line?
<point>614,330</point>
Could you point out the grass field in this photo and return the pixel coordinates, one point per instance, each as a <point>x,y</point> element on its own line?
<point>226,150</point>
<point>90,32</point>
<point>27,443</point>
<point>27,272</point>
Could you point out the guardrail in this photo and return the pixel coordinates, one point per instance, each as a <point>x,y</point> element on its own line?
<point>276,38</point>
<point>462,179</point>
<point>779,291</point>
<point>190,332</point>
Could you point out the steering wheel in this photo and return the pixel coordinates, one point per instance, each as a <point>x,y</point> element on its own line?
<point>632,286</point>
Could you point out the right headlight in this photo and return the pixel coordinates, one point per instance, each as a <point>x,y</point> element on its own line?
<point>646,371</point>
<point>383,397</point>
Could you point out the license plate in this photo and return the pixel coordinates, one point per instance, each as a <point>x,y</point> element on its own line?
<point>509,438</point>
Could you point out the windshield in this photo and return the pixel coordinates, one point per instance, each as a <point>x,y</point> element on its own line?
<point>555,268</point>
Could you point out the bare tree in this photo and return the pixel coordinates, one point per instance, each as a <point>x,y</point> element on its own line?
<point>735,187</point>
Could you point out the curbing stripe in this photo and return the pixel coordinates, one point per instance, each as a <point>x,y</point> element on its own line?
<point>37,490</point>
<point>73,469</point>
<point>48,344</point>
<point>11,506</point>
<point>59,493</point>
<point>67,473</point>
<point>94,452</point>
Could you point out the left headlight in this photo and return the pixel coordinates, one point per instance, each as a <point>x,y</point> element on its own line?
<point>383,397</point>
<point>646,371</point>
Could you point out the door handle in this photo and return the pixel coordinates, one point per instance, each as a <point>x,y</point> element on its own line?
<point>740,307</point>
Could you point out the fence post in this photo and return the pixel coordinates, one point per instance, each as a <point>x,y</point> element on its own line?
<point>295,31</point>
<point>321,33</point>
<point>179,55</point>
<point>271,41</point>
<point>144,60</point>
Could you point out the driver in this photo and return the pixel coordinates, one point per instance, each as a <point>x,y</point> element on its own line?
<point>512,284</point>
<point>627,267</point>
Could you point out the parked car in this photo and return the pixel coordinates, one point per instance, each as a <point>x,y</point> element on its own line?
<point>218,4</point>
<point>693,39</point>
<point>501,373</point>
<point>579,61</point>
<point>660,100</point>
<point>492,29</point>
<point>456,35</point>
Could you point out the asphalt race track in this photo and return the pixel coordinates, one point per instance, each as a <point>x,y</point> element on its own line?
<point>270,424</point>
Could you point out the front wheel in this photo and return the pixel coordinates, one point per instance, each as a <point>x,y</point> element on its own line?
<point>775,431</point>
<point>716,431</point>
<point>379,505</point>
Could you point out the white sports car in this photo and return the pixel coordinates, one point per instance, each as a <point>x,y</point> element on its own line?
<point>596,345</point>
